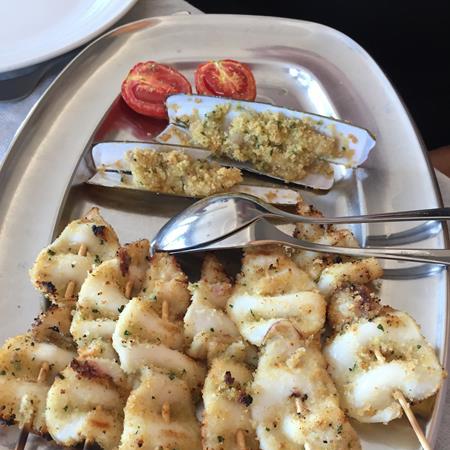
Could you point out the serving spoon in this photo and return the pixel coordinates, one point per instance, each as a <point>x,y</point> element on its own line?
<point>218,216</point>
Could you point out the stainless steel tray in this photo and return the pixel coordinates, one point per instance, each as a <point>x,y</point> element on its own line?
<point>297,64</point>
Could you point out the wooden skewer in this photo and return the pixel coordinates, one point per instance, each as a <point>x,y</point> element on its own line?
<point>398,395</point>
<point>23,436</point>
<point>240,440</point>
<point>88,444</point>
<point>82,250</point>
<point>25,430</point>
<point>412,419</point>
<point>165,412</point>
<point>379,355</point>
<point>298,405</point>
<point>70,289</point>
<point>165,310</point>
<point>128,289</point>
<point>43,372</point>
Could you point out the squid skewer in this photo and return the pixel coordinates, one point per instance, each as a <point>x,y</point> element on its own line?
<point>214,336</point>
<point>28,365</point>
<point>227,422</point>
<point>207,326</point>
<point>68,296</point>
<point>295,401</point>
<point>346,282</point>
<point>85,406</point>
<point>149,330</point>
<point>43,373</point>
<point>88,444</point>
<point>25,430</point>
<point>53,266</point>
<point>149,338</point>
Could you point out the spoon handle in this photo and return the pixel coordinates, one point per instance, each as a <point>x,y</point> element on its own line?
<point>400,216</point>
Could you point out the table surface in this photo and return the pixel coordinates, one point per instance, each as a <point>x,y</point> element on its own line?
<point>12,114</point>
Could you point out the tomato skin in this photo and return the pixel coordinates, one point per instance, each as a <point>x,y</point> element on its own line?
<point>147,86</point>
<point>226,78</point>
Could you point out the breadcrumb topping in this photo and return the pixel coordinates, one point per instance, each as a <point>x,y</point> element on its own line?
<point>286,147</point>
<point>178,173</point>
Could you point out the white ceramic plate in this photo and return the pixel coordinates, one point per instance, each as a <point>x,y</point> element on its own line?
<point>32,31</point>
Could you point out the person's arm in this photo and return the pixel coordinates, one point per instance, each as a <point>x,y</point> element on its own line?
<point>440,159</point>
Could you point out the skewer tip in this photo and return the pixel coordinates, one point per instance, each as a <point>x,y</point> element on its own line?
<point>398,395</point>
<point>240,440</point>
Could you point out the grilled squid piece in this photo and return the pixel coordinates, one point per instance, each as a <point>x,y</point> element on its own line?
<point>312,262</point>
<point>149,331</point>
<point>295,403</point>
<point>227,421</point>
<point>377,352</point>
<point>160,414</point>
<point>154,342</point>
<point>103,296</point>
<point>272,287</point>
<point>61,268</point>
<point>165,285</point>
<point>206,324</point>
<point>53,326</point>
<point>85,404</point>
<point>28,366</point>
<point>339,275</point>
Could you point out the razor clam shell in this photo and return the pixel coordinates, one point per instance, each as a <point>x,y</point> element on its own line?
<point>111,155</point>
<point>359,140</point>
<point>176,135</point>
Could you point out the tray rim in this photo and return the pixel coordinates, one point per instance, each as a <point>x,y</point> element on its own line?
<point>438,411</point>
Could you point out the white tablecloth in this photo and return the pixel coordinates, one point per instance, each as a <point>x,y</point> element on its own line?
<point>12,114</point>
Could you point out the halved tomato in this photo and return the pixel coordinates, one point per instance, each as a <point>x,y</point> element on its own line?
<point>147,86</point>
<point>225,78</point>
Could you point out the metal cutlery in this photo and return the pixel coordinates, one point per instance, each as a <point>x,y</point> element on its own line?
<point>262,232</point>
<point>218,216</point>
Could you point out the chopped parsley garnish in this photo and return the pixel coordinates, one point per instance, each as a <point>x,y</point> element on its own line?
<point>380,327</point>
